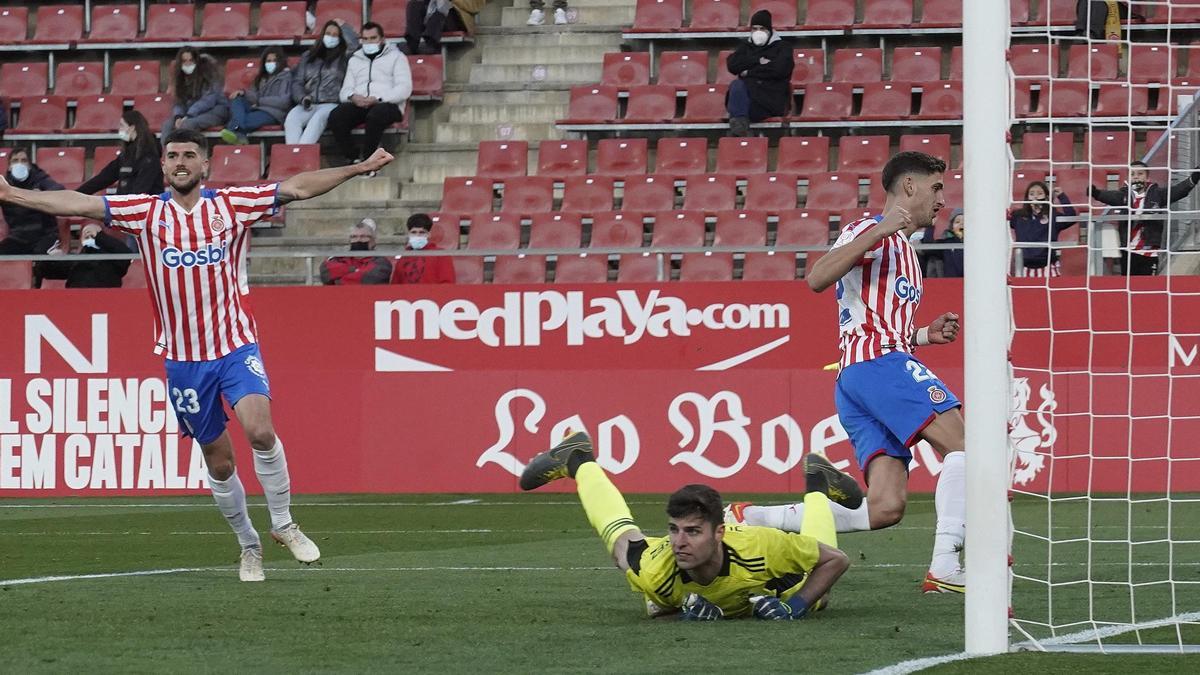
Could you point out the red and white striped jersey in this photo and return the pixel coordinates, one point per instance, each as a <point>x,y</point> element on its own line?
<point>1138,243</point>
<point>196,266</point>
<point>878,298</point>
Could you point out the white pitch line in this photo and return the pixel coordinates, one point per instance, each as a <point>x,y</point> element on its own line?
<point>912,666</point>
<point>208,505</point>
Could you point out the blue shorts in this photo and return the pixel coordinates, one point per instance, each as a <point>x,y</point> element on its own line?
<point>884,404</point>
<point>195,389</point>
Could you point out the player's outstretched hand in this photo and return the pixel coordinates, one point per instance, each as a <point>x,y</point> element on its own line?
<point>944,329</point>
<point>895,220</point>
<point>378,159</point>
<point>771,608</point>
<point>5,188</point>
<point>697,608</point>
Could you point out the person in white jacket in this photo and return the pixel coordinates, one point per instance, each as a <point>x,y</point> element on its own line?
<point>377,85</point>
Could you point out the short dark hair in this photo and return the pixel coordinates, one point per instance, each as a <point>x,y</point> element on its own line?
<point>420,220</point>
<point>371,24</point>
<point>23,149</point>
<point>1139,163</point>
<point>696,500</point>
<point>187,136</point>
<point>910,162</point>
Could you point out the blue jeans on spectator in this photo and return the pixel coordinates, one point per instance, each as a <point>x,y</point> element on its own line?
<point>738,101</point>
<point>244,118</point>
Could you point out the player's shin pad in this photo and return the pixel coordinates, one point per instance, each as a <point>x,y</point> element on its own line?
<point>603,504</point>
<point>818,519</point>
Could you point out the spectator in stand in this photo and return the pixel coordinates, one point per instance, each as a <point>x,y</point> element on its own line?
<point>377,85</point>
<point>1102,20</point>
<point>198,87</point>
<point>29,232</point>
<point>138,169</point>
<point>763,67</point>
<point>82,273</point>
<point>358,269</point>
<point>428,19</point>
<point>267,101</point>
<point>1146,237</point>
<point>952,258</point>
<point>537,12</point>
<point>317,82</point>
<point>422,269</point>
<point>1037,221</point>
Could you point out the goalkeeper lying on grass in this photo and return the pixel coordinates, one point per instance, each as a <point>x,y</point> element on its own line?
<point>703,568</point>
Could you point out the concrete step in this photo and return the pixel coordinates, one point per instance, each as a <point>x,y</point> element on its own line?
<point>531,36</point>
<point>479,95</point>
<point>438,173</point>
<point>460,133</point>
<point>511,113</point>
<point>535,55</point>
<point>421,193</point>
<point>608,14</point>
<point>576,73</point>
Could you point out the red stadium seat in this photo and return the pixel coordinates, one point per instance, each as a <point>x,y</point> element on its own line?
<point>446,230</point>
<point>803,154</point>
<point>942,101</point>
<point>98,114</point>
<point>170,23</point>
<point>886,101</point>
<point>705,103</point>
<point>135,276</point>
<point>741,157</point>
<point>723,74</point>
<point>102,155</point>
<point>59,23</point>
<point>648,194</point>
<point>467,195</point>
<point>952,189</point>
<point>289,160</point>
<point>678,228</point>
<point>617,229</point>
<point>1074,182</point>
<point>1035,60</point>
<point>1019,12</point>
<point>937,145</point>
<point>1102,59</point>
<point>852,215</point>
<point>683,68</point>
<point>887,14</point>
<point>864,154</point>
<point>233,164</point>
<point>625,69</point>
<point>1023,98</point>
<point>827,101</point>
<point>502,159</point>
<point>1120,99</point>
<point>282,19</point>
<point>525,195</point>
<point>155,107</point>
<point>391,14</point>
<point>715,15</point>
<point>857,65</point>
<point>834,190</point>
<point>114,23</point>
<point>769,266</point>
<point>14,24</point>
<point>467,270</point>
<point>130,78</point>
<point>916,64</point>
<point>710,193</point>
<point>42,115</point>
<point>18,80</point>
<point>4,153</point>
<point>621,156</point>
<point>1067,98</point>
<point>650,104</point>
<point>1179,13</point>
<point>581,269</point>
<point>428,76</point>
<point>783,12</point>
<point>1151,63</point>
<point>830,14</point>
<point>809,66</point>
<point>519,269</point>
<point>1062,12</point>
<point>941,13</point>
<point>1058,146</point>
<point>79,78</point>
<point>349,11</point>
<point>562,158</point>
<point>1021,181</point>
<point>240,74</point>
<point>64,165</point>
<point>556,230</point>
<point>592,105</point>
<point>587,194</point>
<point>225,21</point>
<point>658,16</point>
<point>802,227</point>
<point>1109,148</point>
<point>641,268</point>
<point>707,266</point>
<point>501,231</point>
<point>741,228</point>
<point>771,192</point>
<point>16,274</point>
<point>676,157</point>
<point>956,63</point>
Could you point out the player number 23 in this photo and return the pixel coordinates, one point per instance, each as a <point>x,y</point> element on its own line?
<point>919,372</point>
<point>186,400</point>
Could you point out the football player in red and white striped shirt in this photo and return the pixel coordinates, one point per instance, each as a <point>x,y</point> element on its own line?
<point>193,241</point>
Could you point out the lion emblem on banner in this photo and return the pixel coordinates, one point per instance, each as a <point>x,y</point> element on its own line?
<point>1029,444</point>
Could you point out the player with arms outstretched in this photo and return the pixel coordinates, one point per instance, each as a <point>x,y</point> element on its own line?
<point>193,241</point>
<point>703,569</point>
<point>886,399</point>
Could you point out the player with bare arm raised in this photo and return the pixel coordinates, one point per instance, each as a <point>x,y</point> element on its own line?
<point>193,241</point>
<point>886,399</point>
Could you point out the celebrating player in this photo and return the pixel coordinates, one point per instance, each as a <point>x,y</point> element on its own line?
<point>886,399</point>
<point>193,241</point>
<point>703,568</point>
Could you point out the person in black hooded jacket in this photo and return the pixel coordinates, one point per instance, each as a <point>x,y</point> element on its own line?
<point>29,232</point>
<point>138,169</point>
<point>763,66</point>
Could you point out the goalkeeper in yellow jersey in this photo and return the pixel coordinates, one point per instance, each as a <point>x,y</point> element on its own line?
<point>703,569</point>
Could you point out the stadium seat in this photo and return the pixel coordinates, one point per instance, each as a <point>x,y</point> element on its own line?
<point>833,190</point>
<point>170,23</point>
<point>467,269</point>
<point>864,154</point>
<point>887,14</point>
<point>942,101</point>
<point>232,164</point>
<point>648,194</point>
<point>1179,13</point>
<point>621,156</point>
<point>1067,98</point>
<point>428,76</point>
<point>683,68</point>
<point>581,269</point>
<point>155,107</point>
<point>1121,99</point>
<point>446,230</point>
<point>1021,180</point>
<point>225,21</point>
<point>64,165</point>
<point>1035,60</point>
<point>783,12</point>
<point>59,23</point>
<point>391,14</point>
<point>809,66</point>
<point>857,65</point>
<point>617,229</point>
<point>466,195</point>
<point>723,74</point>
<point>20,80</point>
<point>4,153</point>
<point>500,231</point>
<point>829,14</point>
<point>641,268</point>
<point>289,160</point>
<point>16,274</point>
<point>937,145</point>
<point>832,101</point>
<point>916,64</point>
<point>802,227</point>
<point>526,195</point>
<point>240,73</point>
<point>98,114</point>
<point>1062,12</point>
<point>678,228</point>
<point>1058,146</point>
<point>502,159</point>
<point>886,101</point>
<point>14,24</point>
<point>677,157</point>
<point>79,78</point>
<point>130,78</point>
<point>952,189</point>
<point>556,230</point>
<point>741,157</point>
<point>803,154</point>
<point>1109,148</point>
<point>1102,59</point>
<point>591,104</point>
<point>653,16</point>
<point>519,269</point>
<point>114,23</point>
<point>587,194</point>
<point>875,194</point>
<point>42,115</point>
<point>715,15</point>
<point>350,11</point>
<point>284,19</point>
<point>1018,10</point>
<point>705,103</point>
<point>771,192</point>
<point>769,266</point>
<point>710,193</point>
<point>625,69</point>
<point>740,228</point>
<point>102,155</point>
<point>707,266</point>
<point>941,13</point>
<point>1151,63</point>
<point>1073,182</point>
<point>562,158</point>
<point>956,62</point>
<point>650,104</point>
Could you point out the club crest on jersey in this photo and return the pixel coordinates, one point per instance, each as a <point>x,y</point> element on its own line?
<point>906,290</point>
<point>217,225</point>
<point>255,365</point>
<point>209,255</point>
<point>937,395</point>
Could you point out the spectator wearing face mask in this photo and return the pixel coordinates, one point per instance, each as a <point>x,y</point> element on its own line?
<point>422,269</point>
<point>377,85</point>
<point>317,82</point>
<point>358,269</point>
<point>763,67</point>
<point>83,273</point>
<point>1146,237</point>
<point>29,232</point>
<point>138,169</point>
<point>266,101</point>
<point>198,86</point>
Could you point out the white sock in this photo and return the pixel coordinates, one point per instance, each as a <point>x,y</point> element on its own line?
<point>851,520</point>
<point>789,517</point>
<point>271,467</point>
<point>231,500</point>
<point>950,500</point>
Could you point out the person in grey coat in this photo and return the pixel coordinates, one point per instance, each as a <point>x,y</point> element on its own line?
<point>317,82</point>
<point>198,86</point>
<point>266,101</point>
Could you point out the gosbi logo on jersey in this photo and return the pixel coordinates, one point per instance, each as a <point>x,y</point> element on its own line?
<point>209,255</point>
<point>905,290</point>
